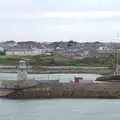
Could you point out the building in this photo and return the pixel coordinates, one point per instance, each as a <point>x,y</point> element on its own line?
<point>28,51</point>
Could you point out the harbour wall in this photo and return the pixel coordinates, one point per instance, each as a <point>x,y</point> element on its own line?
<point>68,90</point>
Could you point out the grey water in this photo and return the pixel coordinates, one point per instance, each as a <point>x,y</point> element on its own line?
<point>61,77</point>
<point>60,109</point>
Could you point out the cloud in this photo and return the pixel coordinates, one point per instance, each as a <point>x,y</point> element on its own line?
<point>59,25</point>
<point>66,15</point>
<point>97,14</point>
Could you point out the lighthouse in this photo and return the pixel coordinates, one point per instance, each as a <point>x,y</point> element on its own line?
<point>22,70</point>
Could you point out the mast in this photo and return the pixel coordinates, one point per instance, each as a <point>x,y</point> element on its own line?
<point>117,70</point>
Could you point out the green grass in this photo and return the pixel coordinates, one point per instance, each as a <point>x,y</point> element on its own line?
<point>10,60</point>
<point>59,61</point>
<point>67,61</point>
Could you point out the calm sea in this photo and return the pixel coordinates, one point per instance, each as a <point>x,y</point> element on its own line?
<point>59,109</point>
<point>61,77</point>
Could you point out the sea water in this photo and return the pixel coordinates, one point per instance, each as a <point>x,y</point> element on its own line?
<point>61,77</point>
<point>60,109</point>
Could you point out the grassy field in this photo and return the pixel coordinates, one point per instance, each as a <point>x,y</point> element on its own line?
<point>58,61</point>
<point>10,60</point>
<point>67,61</point>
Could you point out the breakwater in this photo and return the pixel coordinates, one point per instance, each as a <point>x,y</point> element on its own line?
<point>68,90</point>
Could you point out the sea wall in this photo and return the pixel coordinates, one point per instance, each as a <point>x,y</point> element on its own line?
<point>67,90</point>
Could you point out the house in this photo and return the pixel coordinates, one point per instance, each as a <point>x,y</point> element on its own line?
<point>105,51</point>
<point>27,51</point>
<point>8,44</point>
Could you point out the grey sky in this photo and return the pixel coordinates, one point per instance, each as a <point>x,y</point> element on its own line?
<point>52,20</point>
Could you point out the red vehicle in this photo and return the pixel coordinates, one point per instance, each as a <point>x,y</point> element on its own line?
<point>77,79</point>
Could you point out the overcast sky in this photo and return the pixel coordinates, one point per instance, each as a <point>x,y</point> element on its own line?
<point>55,20</point>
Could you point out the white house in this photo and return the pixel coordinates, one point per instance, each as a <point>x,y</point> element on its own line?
<point>28,52</point>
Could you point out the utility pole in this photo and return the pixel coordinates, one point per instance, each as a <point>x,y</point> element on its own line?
<point>117,70</point>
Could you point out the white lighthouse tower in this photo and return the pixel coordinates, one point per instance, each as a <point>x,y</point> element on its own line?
<point>22,70</point>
